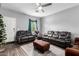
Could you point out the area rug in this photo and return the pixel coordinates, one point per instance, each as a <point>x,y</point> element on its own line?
<point>29,49</point>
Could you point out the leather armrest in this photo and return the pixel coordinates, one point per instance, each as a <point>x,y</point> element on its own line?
<point>71,52</point>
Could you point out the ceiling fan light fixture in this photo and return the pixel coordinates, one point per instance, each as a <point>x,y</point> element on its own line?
<point>37,4</point>
<point>40,8</point>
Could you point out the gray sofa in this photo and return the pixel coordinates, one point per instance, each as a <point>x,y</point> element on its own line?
<point>24,36</point>
<point>59,38</point>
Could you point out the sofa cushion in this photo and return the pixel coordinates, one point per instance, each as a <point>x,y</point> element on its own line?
<point>24,37</point>
<point>28,33</point>
<point>62,37</point>
<point>30,36</point>
<point>55,36</point>
<point>20,33</point>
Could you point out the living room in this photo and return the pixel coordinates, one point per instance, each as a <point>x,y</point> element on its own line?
<point>32,28</point>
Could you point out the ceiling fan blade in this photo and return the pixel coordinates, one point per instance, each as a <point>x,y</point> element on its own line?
<point>48,4</point>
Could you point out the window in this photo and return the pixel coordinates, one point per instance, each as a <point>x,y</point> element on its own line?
<point>33,25</point>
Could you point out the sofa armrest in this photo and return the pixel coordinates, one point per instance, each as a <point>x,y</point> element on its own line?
<point>71,52</point>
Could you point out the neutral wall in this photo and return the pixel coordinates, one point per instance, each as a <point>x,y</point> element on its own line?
<point>66,20</point>
<point>22,20</point>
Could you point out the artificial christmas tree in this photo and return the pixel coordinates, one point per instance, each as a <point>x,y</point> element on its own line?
<point>2,33</point>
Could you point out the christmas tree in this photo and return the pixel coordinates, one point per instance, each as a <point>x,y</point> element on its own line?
<point>2,30</point>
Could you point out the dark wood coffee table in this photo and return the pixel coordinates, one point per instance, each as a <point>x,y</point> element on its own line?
<point>41,45</point>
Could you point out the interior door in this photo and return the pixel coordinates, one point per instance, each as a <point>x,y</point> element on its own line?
<point>10,28</point>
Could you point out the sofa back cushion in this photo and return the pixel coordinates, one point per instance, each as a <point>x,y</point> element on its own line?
<point>23,33</point>
<point>60,34</point>
<point>50,33</point>
<point>28,33</point>
<point>55,34</point>
<point>20,33</point>
<point>64,35</point>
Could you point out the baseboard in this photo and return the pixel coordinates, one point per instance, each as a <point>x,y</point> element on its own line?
<point>10,42</point>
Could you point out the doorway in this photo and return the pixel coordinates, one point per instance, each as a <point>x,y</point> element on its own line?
<point>10,28</point>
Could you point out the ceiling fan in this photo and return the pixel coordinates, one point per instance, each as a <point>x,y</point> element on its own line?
<point>41,5</point>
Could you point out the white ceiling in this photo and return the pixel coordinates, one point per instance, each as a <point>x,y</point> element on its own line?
<point>29,8</point>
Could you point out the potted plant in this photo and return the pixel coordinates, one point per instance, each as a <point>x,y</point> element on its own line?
<point>2,34</point>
